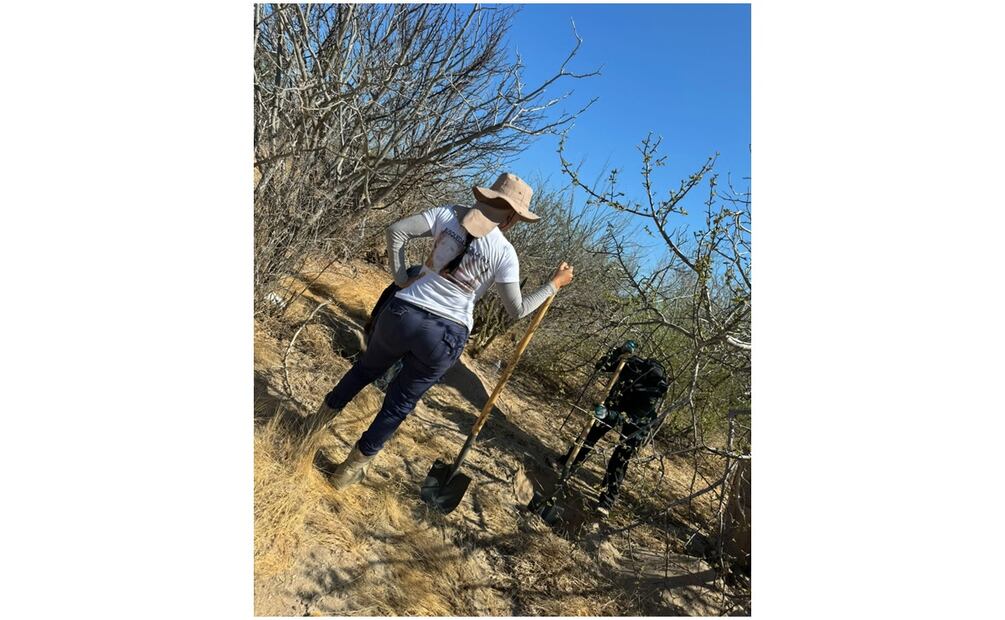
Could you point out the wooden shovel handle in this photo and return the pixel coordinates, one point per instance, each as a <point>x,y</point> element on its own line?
<point>617,372</point>
<point>480,422</point>
<point>593,420</point>
<point>511,365</point>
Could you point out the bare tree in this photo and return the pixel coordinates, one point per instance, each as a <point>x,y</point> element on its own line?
<point>360,107</point>
<point>693,303</point>
<point>700,288</point>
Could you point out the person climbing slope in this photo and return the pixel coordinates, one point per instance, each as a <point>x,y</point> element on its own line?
<point>427,322</point>
<point>632,404</point>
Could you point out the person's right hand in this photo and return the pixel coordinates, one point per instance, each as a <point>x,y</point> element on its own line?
<point>562,276</point>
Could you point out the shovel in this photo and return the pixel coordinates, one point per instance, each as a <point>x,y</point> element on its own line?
<point>593,420</point>
<point>545,505</point>
<point>444,487</point>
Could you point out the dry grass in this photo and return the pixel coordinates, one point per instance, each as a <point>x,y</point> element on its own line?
<point>385,558</point>
<point>375,548</point>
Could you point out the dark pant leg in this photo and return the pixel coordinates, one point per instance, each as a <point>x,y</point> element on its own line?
<point>382,351</point>
<point>628,444</point>
<point>599,429</point>
<point>434,348</point>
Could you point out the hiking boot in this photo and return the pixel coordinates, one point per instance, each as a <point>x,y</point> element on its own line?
<point>604,505</point>
<point>351,470</point>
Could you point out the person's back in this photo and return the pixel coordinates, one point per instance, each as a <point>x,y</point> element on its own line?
<point>639,387</point>
<point>425,325</point>
<point>451,291</point>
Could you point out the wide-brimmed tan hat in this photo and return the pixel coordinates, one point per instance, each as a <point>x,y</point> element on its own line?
<point>509,190</point>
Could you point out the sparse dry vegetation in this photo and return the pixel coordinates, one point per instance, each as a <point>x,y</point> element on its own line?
<point>376,549</point>
<point>367,113</point>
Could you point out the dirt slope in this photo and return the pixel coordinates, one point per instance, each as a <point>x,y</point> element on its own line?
<point>376,549</point>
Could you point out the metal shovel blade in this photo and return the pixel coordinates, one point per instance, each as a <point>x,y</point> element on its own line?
<point>552,514</point>
<point>441,491</point>
<point>546,508</point>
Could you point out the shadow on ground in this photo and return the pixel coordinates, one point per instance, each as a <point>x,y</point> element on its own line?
<point>662,589</point>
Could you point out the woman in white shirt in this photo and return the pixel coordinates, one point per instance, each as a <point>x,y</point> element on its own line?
<point>427,322</point>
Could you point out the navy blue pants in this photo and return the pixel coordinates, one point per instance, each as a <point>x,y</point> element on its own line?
<point>427,344</point>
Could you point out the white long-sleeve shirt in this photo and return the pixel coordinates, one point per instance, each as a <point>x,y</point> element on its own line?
<point>488,260</point>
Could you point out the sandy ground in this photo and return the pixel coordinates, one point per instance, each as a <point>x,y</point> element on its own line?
<point>377,549</point>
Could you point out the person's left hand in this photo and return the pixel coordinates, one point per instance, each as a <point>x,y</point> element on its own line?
<point>562,276</point>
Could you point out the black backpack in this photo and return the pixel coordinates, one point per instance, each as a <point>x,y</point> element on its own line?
<point>652,379</point>
<point>642,383</point>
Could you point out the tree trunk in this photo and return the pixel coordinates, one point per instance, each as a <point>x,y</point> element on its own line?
<point>736,533</point>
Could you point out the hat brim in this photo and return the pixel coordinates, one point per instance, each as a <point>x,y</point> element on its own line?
<point>486,194</point>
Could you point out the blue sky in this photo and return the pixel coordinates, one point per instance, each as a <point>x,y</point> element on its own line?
<point>681,71</point>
